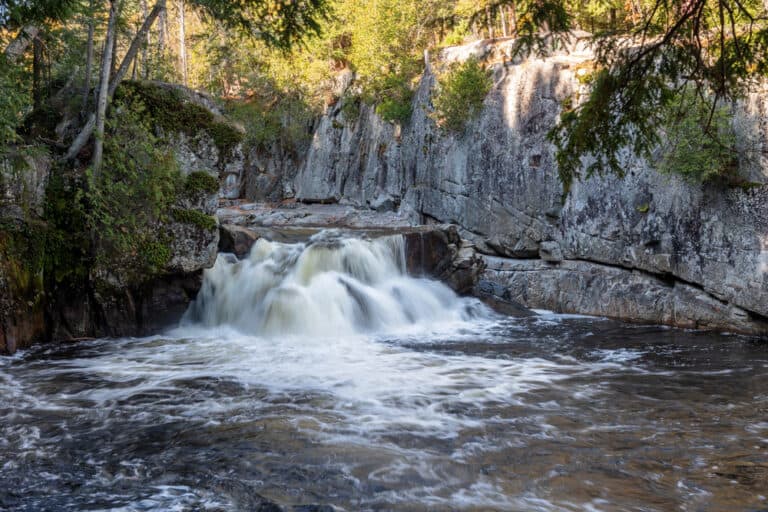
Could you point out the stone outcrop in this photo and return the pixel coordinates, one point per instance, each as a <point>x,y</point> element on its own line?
<point>119,294</point>
<point>438,252</point>
<point>601,290</point>
<point>497,181</point>
<point>118,303</point>
<point>236,240</point>
<point>23,178</point>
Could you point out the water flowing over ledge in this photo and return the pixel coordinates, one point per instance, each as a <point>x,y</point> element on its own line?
<point>330,285</point>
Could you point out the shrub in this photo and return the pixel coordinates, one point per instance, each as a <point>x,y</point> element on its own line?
<point>200,182</point>
<point>460,94</point>
<point>274,116</point>
<point>130,198</point>
<point>699,141</point>
<point>392,95</point>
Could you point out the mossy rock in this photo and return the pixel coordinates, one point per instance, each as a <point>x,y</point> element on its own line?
<point>200,182</point>
<point>22,259</point>
<point>195,218</point>
<point>174,113</point>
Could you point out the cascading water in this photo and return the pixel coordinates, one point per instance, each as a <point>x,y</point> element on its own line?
<point>320,374</point>
<point>330,285</point>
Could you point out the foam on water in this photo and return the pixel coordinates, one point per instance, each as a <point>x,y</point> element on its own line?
<point>322,369</point>
<point>329,286</point>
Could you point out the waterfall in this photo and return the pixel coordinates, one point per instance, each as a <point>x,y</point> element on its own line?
<point>330,285</point>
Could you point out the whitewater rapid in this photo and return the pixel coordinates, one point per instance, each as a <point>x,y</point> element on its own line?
<point>320,375</point>
<point>329,285</point>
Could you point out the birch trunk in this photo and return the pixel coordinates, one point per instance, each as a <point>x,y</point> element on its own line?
<point>182,43</point>
<point>37,72</point>
<point>147,43</point>
<point>87,131</point>
<point>503,17</point>
<point>101,103</point>
<point>88,59</point>
<point>162,36</point>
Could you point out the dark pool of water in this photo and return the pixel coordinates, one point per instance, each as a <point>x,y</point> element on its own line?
<point>546,413</point>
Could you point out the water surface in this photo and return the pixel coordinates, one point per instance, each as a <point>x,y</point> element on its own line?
<point>429,405</point>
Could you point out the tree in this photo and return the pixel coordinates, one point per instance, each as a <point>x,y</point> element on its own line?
<point>101,102</point>
<point>277,23</point>
<point>709,50</point>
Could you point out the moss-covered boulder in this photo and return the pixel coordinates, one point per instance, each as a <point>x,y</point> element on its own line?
<point>122,251</point>
<point>201,138</point>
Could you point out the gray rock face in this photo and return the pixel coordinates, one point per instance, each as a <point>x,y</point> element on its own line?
<point>498,182</point>
<point>236,240</point>
<point>600,290</point>
<point>439,253</point>
<point>200,153</point>
<point>23,179</point>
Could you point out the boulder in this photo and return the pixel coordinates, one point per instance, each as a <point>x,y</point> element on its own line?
<point>236,239</point>
<point>439,252</point>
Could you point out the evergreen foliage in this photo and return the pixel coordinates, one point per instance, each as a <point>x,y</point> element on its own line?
<point>699,142</point>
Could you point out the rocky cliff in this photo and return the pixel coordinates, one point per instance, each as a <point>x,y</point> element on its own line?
<point>646,248</point>
<point>58,281</point>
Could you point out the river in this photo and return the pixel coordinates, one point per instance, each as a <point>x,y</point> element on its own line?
<point>318,375</point>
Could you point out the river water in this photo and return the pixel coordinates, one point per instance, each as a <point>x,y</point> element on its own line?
<point>318,375</point>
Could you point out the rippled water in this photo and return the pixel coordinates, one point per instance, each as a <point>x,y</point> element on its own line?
<point>542,413</point>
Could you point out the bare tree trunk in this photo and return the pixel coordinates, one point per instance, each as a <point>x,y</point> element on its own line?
<point>514,19</point>
<point>113,66</point>
<point>101,103</point>
<point>182,43</point>
<point>147,44</point>
<point>21,42</point>
<point>37,72</point>
<point>90,125</point>
<point>133,69</point>
<point>162,36</point>
<point>88,58</point>
<point>489,21</point>
<point>133,50</point>
<point>503,12</point>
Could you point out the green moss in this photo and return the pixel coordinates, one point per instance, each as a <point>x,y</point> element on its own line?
<point>225,136</point>
<point>200,182</point>
<point>157,254</point>
<point>22,258</point>
<point>749,185</point>
<point>194,217</point>
<point>173,113</point>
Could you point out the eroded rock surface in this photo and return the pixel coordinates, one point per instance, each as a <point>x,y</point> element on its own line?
<point>497,181</point>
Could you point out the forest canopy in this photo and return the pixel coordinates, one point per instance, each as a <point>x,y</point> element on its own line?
<point>283,58</point>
